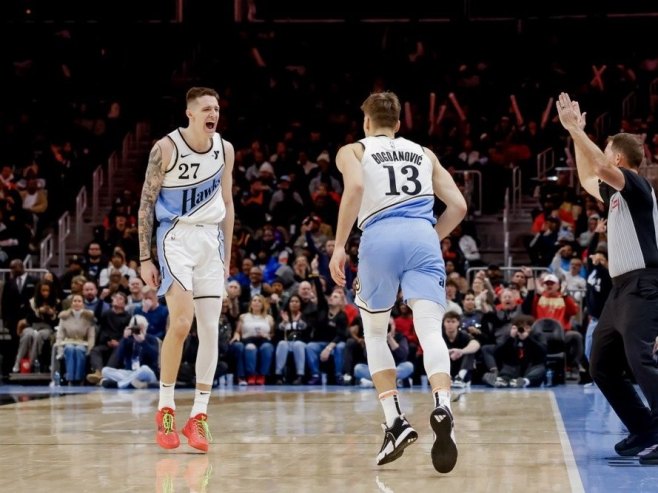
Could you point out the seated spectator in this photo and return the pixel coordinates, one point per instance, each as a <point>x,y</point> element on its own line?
<point>75,338</point>
<point>233,290</point>
<point>484,292</point>
<point>462,348</point>
<point>135,295</point>
<point>574,281</point>
<point>117,284</point>
<point>73,269</point>
<point>35,201</point>
<point>117,263</point>
<point>520,280</point>
<point>451,251</point>
<point>137,358</point>
<point>123,234</point>
<point>468,247</point>
<point>242,277</point>
<point>328,331</point>
<point>38,325</point>
<point>92,302</point>
<point>156,314</point>
<point>562,261</point>
<point>550,302</point>
<point>453,296</point>
<point>522,355</point>
<point>112,327</point>
<point>255,287</point>
<point>252,341</point>
<point>94,261</point>
<point>293,333</point>
<point>75,287</point>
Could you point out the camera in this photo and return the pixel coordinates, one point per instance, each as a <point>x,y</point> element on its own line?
<point>135,329</point>
<point>520,329</point>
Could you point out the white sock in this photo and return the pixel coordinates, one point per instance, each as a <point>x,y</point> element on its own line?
<point>167,395</point>
<point>462,374</point>
<point>201,398</point>
<point>441,397</point>
<point>391,406</point>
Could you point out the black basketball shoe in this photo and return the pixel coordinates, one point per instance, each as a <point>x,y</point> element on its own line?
<point>396,439</point>
<point>444,450</point>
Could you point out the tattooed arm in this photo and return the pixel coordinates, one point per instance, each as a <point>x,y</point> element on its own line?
<point>155,172</point>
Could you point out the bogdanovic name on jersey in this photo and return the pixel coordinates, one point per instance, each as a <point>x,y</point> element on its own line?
<point>391,156</point>
<point>192,197</point>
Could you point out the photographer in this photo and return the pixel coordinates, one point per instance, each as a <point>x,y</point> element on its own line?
<point>523,356</point>
<point>138,357</point>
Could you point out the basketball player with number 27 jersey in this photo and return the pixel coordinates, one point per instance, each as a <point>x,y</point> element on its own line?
<point>188,188</point>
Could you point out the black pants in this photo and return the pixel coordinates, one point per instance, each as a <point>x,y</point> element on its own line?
<point>534,373</point>
<point>627,330</point>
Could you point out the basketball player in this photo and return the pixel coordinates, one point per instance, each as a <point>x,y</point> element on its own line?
<point>188,186</point>
<point>390,185</point>
<point>628,325</point>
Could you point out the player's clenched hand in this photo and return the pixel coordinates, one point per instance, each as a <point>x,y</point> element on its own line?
<point>150,275</point>
<point>337,265</point>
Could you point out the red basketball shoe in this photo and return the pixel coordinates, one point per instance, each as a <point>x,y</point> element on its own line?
<point>166,436</point>
<point>197,432</point>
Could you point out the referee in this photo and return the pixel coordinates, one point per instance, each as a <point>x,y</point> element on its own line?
<point>629,322</point>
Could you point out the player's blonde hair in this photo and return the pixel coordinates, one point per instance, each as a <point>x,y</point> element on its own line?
<point>383,108</point>
<point>196,92</point>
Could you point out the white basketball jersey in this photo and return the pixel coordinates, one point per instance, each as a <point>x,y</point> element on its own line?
<point>397,181</point>
<point>192,188</point>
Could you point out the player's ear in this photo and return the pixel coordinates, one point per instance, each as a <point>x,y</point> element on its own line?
<point>397,127</point>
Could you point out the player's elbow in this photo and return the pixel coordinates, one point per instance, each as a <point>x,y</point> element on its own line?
<point>459,207</point>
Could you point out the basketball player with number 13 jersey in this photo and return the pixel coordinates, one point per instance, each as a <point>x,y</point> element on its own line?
<point>390,184</point>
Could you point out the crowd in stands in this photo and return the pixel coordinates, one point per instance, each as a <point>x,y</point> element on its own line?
<point>283,319</point>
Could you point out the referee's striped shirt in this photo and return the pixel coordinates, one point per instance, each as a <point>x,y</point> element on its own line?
<point>632,224</point>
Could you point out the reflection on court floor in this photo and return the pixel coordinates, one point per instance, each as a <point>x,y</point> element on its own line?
<point>287,439</point>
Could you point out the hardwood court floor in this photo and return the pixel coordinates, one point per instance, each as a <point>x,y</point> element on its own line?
<point>280,441</point>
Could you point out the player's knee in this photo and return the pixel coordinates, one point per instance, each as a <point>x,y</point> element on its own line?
<point>180,326</point>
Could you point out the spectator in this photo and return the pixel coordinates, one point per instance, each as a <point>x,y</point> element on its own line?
<point>137,355</point>
<point>462,348</point>
<point>156,314</point>
<point>112,326</point>
<point>523,356</point>
<point>75,338</point>
<point>293,333</point>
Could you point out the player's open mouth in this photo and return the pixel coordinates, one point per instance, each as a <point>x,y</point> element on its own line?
<point>210,125</point>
